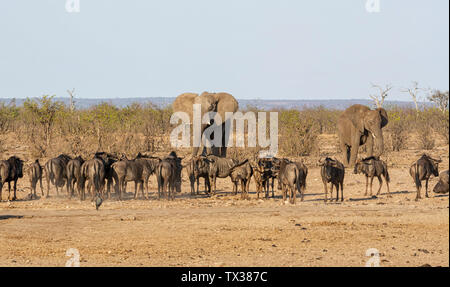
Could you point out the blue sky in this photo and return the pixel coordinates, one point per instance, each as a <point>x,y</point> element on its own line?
<point>254,49</point>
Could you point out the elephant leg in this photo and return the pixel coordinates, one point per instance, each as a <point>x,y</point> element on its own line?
<point>345,153</point>
<point>369,145</point>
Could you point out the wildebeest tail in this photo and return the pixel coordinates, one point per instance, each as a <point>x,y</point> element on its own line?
<point>51,175</point>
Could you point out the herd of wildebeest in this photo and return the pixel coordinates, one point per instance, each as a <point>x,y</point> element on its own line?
<point>357,126</point>
<point>105,171</point>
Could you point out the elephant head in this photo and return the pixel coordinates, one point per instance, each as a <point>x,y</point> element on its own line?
<point>210,102</point>
<point>368,121</point>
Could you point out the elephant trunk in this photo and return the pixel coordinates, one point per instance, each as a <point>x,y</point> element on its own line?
<point>379,142</point>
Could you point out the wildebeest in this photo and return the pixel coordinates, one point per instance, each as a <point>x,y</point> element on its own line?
<point>137,170</point>
<point>55,172</point>
<point>332,171</point>
<point>93,171</point>
<point>74,175</point>
<point>10,170</point>
<point>373,167</point>
<point>220,167</point>
<point>261,178</point>
<point>423,169</point>
<point>198,168</point>
<point>303,173</point>
<point>108,160</point>
<point>442,185</point>
<point>288,179</point>
<point>241,174</point>
<point>35,175</point>
<point>168,174</point>
<point>271,173</point>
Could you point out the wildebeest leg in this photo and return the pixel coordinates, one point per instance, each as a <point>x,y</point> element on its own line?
<point>208,183</point>
<point>426,188</point>
<point>367,185</point>
<point>342,191</point>
<point>135,189</point>
<point>418,192</point>
<point>371,183</point>
<point>42,187</point>
<point>142,190</point>
<point>326,191</point>
<point>192,184</point>
<point>146,187</point>
<point>294,194</point>
<point>214,184</point>
<point>381,184</point>
<point>337,191</point>
<point>166,188</point>
<point>331,191</point>
<point>47,179</point>
<point>245,187</point>
<point>9,190</point>
<point>387,184</point>
<point>15,189</point>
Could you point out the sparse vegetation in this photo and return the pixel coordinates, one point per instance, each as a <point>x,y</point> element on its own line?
<point>49,127</point>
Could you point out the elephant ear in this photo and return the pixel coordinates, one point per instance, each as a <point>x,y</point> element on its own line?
<point>225,103</point>
<point>384,117</point>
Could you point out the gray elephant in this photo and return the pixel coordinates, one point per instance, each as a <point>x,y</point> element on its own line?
<point>210,102</point>
<point>360,125</point>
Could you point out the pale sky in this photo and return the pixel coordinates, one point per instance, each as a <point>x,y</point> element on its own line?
<point>253,49</point>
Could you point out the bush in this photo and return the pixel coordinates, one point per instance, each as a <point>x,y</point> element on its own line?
<point>424,128</point>
<point>398,128</point>
<point>298,131</point>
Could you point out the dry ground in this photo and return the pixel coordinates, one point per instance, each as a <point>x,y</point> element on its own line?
<point>227,231</point>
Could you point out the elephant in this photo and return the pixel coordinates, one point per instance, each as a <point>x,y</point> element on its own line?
<point>360,125</point>
<point>210,102</point>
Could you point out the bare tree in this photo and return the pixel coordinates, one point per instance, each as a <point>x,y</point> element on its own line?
<point>440,99</point>
<point>383,93</point>
<point>413,91</point>
<point>72,102</point>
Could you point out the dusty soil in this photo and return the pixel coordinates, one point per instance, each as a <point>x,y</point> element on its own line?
<point>227,231</point>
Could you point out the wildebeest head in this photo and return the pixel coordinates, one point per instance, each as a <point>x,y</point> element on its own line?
<point>361,165</point>
<point>329,164</point>
<point>434,164</point>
